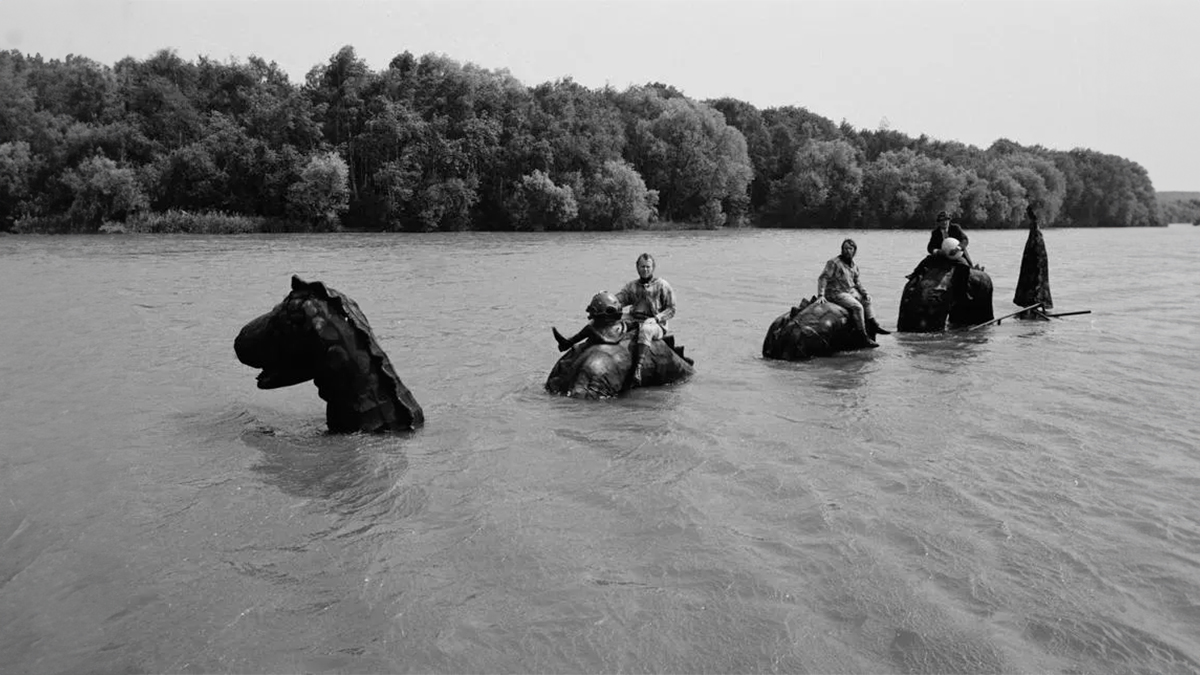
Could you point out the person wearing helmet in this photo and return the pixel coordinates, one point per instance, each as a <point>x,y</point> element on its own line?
<point>650,301</point>
<point>839,283</point>
<point>604,324</point>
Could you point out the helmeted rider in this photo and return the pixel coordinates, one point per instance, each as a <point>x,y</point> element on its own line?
<point>604,324</point>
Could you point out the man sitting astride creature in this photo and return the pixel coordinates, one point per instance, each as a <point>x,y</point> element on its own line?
<point>840,282</point>
<point>944,228</point>
<point>947,240</point>
<point>604,324</point>
<point>651,302</point>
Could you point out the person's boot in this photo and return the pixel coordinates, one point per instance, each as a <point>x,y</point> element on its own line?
<point>635,377</point>
<point>868,341</point>
<point>563,343</point>
<point>874,327</point>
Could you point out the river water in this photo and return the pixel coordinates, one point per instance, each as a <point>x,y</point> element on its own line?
<point>1022,498</point>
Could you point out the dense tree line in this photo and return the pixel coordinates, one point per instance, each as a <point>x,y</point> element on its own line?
<point>1180,207</point>
<point>431,144</point>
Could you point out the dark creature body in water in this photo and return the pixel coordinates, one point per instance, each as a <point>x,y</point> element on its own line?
<point>814,329</point>
<point>944,293</point>
<point>591,370</point>
<point>321,335</point>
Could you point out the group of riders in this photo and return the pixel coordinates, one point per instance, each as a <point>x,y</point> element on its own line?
<point>647,303</point>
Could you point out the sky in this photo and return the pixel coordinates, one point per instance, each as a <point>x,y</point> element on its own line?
<point>1120,77</point>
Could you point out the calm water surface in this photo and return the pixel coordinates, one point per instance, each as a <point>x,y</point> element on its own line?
<point>1023,498</point>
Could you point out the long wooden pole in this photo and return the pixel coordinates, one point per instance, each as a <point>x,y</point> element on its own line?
<point>1085,311</point>
<point>1001,318</point>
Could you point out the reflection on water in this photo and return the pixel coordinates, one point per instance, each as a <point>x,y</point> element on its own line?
<point>1015,499</point>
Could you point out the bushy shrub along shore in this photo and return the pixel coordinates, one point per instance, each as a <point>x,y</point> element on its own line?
<point>171,222</point>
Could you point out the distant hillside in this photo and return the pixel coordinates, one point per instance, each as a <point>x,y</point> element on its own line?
<point>1179,207</point>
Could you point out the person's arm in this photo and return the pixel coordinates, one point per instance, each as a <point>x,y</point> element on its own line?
<point>962,236</point>
<point>823,279</point>
<point>667,301</point>
<point>625,297</point>
<point>935,241</point>
<point>858,282</point>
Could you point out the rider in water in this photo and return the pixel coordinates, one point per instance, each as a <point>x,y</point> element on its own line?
<point>604,326</point>
<point>651,302</point>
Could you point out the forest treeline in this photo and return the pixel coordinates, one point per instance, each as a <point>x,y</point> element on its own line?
<point>431,144</point>
<point>1180,207</point>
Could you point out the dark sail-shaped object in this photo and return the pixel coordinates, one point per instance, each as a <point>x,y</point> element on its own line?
<point>1033,284</point>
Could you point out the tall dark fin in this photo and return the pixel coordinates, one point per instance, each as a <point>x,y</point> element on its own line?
<point>1033,283</point>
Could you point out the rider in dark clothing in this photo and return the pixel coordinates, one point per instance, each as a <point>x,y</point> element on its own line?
<point>947,228</point>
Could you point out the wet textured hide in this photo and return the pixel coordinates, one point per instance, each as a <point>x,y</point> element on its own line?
<point>321,335</point>
<point>603,370</point>
<point>945,295</point>
<point>811,329</point>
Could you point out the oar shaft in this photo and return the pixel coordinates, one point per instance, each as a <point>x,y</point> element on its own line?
<point>1001,318</point>
<point>1084,311</point>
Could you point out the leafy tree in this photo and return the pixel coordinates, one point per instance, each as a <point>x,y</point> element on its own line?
<point>1016,179</point>
<point>822,190</point>
<point>582,128</point>
<point>321,195</point>
<point>748,120</point>
<point>187,179</point>
<point>16,174</point>
<point>78,88</point>
<point>904,189</point>
<point>615,197</point>
<point>1181,211</point>
<point>336,94</point>
<point>18,106</point>
<point>884,140</point>
<point>538,204</point>
<point>101,191</point>
<point>446,205</point>
<point>692,157</point>
<point>1106,191</point>
<point>160,93</point>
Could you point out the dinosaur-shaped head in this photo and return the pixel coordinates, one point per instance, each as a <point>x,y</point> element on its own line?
<point>282,342</point>
<point>319,334</point>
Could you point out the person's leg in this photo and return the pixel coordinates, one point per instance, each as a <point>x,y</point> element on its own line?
<point>851,303</point>
<point>565,343</point>
<point>869,317</point>
<point>856,312</point>
<point>648,331</point>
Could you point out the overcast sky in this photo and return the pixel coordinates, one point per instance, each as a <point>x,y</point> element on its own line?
<point>1117,76</point>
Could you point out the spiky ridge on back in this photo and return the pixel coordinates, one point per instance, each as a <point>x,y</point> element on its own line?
<point>809,329</point>
<point>395,401</point>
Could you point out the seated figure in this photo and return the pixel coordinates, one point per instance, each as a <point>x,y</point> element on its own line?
<point>950,249</point>
<point>605,323</point>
